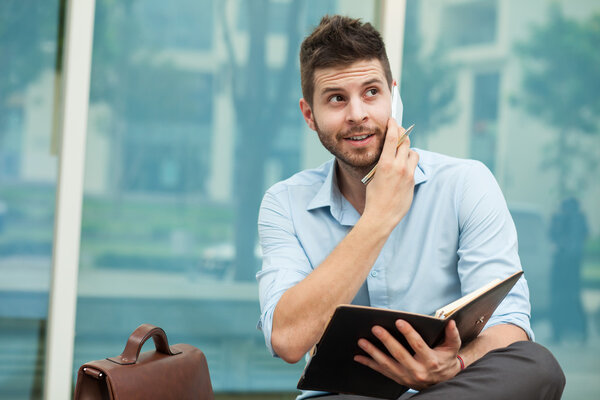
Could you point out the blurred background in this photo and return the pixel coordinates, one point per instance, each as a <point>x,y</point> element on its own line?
<point>193,114</point>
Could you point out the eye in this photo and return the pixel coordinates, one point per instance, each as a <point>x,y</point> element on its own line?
<point>371,92</point>
<point>336,98</point>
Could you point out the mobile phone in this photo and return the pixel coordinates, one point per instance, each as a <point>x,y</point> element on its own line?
<point>397,106</point>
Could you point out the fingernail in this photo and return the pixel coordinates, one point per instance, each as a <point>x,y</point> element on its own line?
<point>400,324</point>
<point>362,343</point>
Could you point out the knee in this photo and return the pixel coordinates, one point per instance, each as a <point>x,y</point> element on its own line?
<point>549,374</point>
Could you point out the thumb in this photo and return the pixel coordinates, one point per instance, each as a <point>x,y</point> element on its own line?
<point>452,339</point>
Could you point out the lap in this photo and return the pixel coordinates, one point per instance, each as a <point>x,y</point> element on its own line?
<point>406,395</point>
<point>523,370</point>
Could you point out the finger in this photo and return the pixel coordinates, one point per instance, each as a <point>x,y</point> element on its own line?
<point>391,140</point>
<point>404,148</point>
<point>452,339</point>
<point>377,355</point>
<point>413,160</point>
<point>415,340</point>
<point>379,361</point>
<point>397,350</point>
<point>369,362</point>
<point>403,136</point>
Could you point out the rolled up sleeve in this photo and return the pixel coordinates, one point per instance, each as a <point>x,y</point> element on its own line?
<point>488,246</point>
<point>284,260</point>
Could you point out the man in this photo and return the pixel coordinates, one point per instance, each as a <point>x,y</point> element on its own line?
<point>426,230</point>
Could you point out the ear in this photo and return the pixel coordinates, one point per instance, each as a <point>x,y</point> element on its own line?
<point>307,114</point>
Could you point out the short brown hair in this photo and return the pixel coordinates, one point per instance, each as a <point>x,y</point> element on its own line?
<point>339,41</point>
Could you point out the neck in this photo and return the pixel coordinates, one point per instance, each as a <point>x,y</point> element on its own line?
<point>350,185</point>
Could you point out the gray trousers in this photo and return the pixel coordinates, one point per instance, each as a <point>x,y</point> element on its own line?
<point>523,370</point>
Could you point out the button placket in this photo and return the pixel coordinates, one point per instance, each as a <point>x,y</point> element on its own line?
<point>376,284</point>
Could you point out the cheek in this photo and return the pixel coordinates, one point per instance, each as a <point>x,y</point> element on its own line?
<point>380,120</point>
<point>382,113</point>
<point>330,121</point>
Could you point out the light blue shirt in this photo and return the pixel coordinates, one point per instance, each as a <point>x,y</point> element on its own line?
<point>457,236</point>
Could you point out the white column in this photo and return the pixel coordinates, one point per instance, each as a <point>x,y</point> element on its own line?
<point>67,226</point>
<point>392,23</point>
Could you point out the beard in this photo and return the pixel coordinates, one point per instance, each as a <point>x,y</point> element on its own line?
<point>359,160</point>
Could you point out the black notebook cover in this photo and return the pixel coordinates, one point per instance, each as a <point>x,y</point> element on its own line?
<point>332,367</point>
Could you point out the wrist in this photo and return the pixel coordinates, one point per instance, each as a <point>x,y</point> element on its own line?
<point>461,362</point>
<point>378,224</point>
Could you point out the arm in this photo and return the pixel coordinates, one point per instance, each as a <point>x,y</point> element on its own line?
<point>494,337</point>
<point>487,249</point>
<point>304,310</point>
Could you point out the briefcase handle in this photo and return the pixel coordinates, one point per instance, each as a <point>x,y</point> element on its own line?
<point>136,341</point>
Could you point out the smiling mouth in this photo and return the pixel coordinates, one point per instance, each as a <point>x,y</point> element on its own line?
<point>359,138</point>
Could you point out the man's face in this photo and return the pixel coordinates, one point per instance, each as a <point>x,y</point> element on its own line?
<point>350,111</point>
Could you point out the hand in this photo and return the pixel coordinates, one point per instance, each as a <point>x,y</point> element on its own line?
<point>390,192</point>
<point>427,367</point>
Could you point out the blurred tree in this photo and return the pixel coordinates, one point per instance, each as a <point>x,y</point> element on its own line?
<point>113,28</point>
<point>261,113</point>
<point>29,34</point>
<point>157,108</point>
<point>561,80</point>
<point>428,82</point>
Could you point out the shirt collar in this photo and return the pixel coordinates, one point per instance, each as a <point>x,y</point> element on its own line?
<point>329,194</point>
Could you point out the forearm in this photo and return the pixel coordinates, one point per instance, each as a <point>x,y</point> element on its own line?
<point>304,310</point>
<point>495,337</point>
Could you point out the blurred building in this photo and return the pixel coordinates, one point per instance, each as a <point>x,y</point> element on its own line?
<point>488,126</point>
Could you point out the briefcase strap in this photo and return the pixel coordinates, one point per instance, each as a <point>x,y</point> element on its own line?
<point>94,373</point>
<point>136,341</point>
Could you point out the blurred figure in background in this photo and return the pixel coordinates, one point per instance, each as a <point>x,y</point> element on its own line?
<point>568,232</point>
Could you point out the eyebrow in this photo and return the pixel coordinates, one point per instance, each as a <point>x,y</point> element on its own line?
<point>339,89</point>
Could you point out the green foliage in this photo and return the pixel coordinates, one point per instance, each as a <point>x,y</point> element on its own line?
<point>114,30</point>
<point>26,27</point>
<point>257,109</point>
<point>142,232</point>
<point>158,110</point>
<point>28,36</point>
<point>561,78</point>
<point>141,228</point>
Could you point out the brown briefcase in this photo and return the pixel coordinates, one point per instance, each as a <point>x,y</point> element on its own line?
<point>177,372</point>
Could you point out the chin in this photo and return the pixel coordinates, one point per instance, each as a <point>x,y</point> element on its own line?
<point>360,164</point>
<point>369,160</point>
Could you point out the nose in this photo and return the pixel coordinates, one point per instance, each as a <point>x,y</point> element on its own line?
<point>357,112</point>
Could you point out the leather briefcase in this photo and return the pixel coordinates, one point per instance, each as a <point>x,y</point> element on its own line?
<point>177,372</point>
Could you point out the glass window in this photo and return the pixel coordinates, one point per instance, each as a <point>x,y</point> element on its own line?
<point>478,23</point>
<point>193,114</point>
<point>529,110</point>
<point>29,73</point>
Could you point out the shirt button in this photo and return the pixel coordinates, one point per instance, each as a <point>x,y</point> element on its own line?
<point>373,274</point>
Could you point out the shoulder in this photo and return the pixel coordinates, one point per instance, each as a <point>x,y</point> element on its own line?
<point>438,166</point>
<point>306,179</point>
<point>297,191</point>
